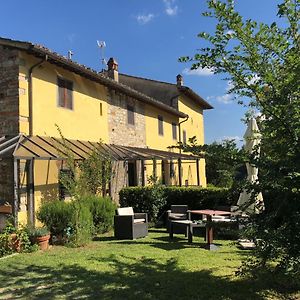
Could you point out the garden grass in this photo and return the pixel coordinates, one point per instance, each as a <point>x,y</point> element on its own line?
<point>150,268</point>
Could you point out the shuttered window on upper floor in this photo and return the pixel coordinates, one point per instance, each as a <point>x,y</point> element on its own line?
<point>160,125</point>
<point>174,131</point>
<point>65,93</point>
<point>130,114</point>
<point>184,136</point>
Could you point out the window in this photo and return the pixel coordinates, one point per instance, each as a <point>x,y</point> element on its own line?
<point>174,131</point>
<point>130,114</point>
<point>184,136</point>
<point>172,169</point>
<point>64,174</point>
<point>65,93</point>
<point>160,125</point>
<point>100,109</point>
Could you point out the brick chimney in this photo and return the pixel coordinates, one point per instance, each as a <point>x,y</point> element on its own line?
<point>113,69</point>
<point>179,80</point>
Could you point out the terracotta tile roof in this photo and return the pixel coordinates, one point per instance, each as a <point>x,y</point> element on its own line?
<point>162,91</point>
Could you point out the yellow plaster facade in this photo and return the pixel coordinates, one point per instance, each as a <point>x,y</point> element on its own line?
<point>88,120</point>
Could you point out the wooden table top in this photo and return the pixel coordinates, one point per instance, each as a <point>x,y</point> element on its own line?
<point>211,212</point>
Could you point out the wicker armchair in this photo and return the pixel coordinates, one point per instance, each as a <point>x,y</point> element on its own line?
<point>130,225</point>
<point>178,212</point>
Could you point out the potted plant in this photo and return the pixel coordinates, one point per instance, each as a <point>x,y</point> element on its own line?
<point>40,236</point>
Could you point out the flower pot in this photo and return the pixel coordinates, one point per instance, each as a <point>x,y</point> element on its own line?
<point>6,209</point>
<point>43,241</point>
<point>15,242</point>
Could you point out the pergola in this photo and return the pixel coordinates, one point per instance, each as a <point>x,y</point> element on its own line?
<point>31,148</point>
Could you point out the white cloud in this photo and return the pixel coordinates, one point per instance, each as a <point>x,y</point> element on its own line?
<point>170,8</point>
<point>225,99</point>
<point>198,72</point>
<point>229,85</point>
<point>144,19</point>
<point>236,138</point>
<point>71,37</point>
<point>230,32</point>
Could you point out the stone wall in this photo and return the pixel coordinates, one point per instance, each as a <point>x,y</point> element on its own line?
<point>9,115</point>
<point>9,92</point>
<point>6,181</point>
<point>119,179</point>
<point>122,133</point>
<point>119,131</point>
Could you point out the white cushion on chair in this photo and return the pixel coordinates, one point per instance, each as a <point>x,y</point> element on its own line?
<point>125,211</point>
<point>139,221</point>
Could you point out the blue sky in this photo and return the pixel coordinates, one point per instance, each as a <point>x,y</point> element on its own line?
<point>146,38</point>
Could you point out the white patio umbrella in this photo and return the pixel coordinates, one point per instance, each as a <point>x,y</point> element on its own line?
<point>252,139</point>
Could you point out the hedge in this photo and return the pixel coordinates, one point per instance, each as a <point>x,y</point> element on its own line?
<point>145,199</point>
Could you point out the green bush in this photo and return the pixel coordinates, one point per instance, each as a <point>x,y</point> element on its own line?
<point>14,240</point>
<point>76,221</point>
<point>103,210</point>
<point>150,199</point>
<point>82,224</point>
<point>58,217</point>
<point>155,200</point>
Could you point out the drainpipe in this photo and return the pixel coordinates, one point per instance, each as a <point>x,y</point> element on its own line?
<point>30,93</point>
<point>186,118</point>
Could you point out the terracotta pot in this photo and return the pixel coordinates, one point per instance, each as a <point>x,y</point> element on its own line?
<point>43,241</point>
<point>6,209</point>
<point>15,242</point>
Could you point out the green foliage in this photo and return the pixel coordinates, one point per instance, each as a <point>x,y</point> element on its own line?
<point>102,210</point>
<point>85,179</point>
<point>14,240</point>
<point>150,199</point>
<point>57,216</point>
<point>75,221</point>
<point>5,244</point>
<point>155,200</point>
<point>225,163</point>
<point>89,176</point>
<point>262,63</point>
<point>82,224</point>
<point>37,232</point>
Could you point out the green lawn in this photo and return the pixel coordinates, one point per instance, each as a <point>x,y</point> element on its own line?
<point>148,268</point>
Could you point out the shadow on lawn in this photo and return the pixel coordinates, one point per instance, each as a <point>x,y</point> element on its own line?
<point>128,278</point>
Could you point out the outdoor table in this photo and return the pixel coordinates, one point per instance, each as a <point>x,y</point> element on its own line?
<point>209,228</point>
<point>189,225</point>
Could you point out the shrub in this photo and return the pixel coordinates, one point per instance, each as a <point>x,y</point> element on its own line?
<point>157,199</point>
<point>58,217</point>
<point>82,224</point>
<point>14,240</point>
<point>150,199</point>
<point>102,210</point>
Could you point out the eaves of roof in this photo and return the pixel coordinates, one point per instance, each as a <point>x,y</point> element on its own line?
<point>190,93</point>
<point>173,88</point>
<point>55,58</point>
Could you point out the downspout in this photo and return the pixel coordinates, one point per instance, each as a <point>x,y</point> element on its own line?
<point>30,93</point>
<point>179,159</point>
<point>186,118</point>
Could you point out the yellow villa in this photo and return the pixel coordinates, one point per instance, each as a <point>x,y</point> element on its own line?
<point>136,119</point>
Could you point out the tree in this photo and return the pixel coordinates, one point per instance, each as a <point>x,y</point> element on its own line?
<point>262,62</point>
<point>224,161</point>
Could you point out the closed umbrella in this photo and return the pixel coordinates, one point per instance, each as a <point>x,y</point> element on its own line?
<point>252,140</point>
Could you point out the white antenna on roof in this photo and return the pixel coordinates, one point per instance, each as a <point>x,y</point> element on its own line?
<point>70,54</point>
<point>102,45</point>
